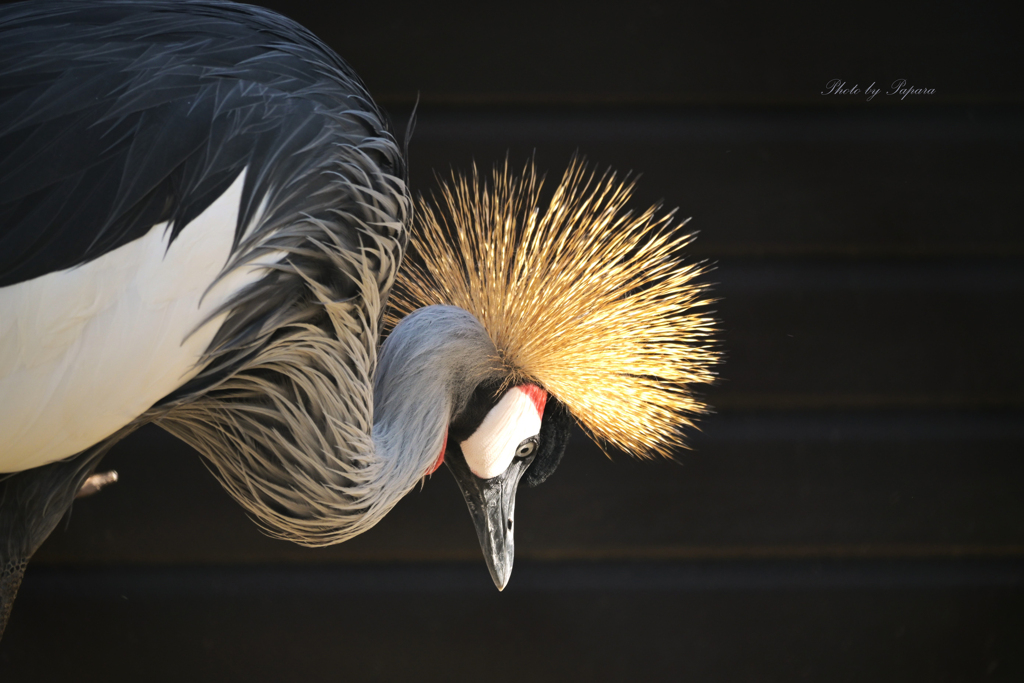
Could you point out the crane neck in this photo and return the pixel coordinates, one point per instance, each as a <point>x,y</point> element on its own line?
<point>290,438</point>
<point>427,370</point>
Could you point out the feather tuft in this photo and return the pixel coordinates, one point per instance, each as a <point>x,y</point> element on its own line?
<point>587,298</point>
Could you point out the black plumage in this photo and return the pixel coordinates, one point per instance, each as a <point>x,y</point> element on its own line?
<point>116,116</point>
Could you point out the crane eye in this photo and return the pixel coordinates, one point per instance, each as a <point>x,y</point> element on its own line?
<point>526,448</point>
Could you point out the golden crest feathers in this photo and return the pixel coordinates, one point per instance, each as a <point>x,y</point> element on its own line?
<point>588,300</point>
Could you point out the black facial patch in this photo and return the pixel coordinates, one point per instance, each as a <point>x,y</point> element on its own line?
<point>554,436</point>
<point>468,421</point>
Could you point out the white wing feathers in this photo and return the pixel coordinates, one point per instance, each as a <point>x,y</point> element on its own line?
<point>87,350</point>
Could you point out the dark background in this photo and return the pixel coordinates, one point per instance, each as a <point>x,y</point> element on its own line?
<point>853,511</point>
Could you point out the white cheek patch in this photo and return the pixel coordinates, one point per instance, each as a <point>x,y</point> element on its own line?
<point>517,417</point>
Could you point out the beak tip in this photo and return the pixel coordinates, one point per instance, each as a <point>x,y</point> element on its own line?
<point>500,581</point>
<point>501,575</point>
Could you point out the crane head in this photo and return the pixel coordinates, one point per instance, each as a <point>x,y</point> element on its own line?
<point>500,438</point>
<point>581,296</point>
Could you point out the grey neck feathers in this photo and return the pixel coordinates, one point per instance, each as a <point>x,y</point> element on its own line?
<point>427,370</point>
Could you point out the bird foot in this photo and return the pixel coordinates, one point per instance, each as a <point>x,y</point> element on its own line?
<point>11,572</point>
<point>95,482</point>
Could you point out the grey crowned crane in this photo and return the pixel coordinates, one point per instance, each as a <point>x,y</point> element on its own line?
<point>202,215</point>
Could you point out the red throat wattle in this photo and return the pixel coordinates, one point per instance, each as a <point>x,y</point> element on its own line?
<point>440,456</point>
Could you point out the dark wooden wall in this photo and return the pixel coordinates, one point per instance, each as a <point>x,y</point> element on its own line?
<point>853,511</point>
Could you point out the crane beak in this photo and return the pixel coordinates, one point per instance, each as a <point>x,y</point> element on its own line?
<point>492,505</point>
